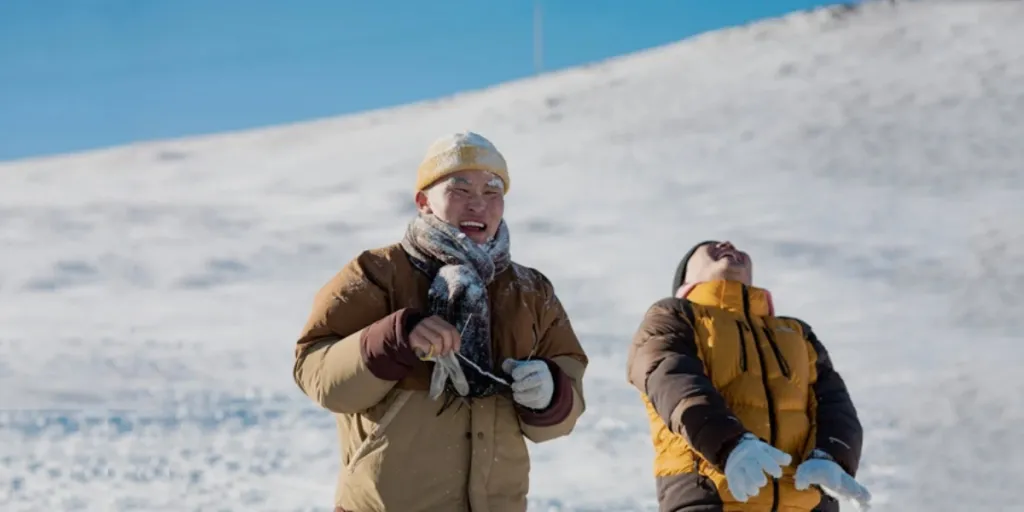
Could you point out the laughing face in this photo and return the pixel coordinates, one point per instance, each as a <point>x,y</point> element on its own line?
<point>719,260</point>
<point>473,201</point>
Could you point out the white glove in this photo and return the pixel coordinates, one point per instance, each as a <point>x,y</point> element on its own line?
<point>747,464</point>
<point>820,470</point>
<point>533,385</point>
<point>447,368</point>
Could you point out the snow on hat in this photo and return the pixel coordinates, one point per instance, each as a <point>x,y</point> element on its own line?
<point>460,151</point>
<point>680,276</point>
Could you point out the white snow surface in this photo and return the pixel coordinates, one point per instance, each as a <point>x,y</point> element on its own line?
<point>869,159</point>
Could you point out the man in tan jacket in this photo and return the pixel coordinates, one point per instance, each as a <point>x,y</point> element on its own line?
<point>439,356</point>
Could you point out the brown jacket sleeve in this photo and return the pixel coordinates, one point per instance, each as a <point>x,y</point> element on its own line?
<point>664,364</point>
<point>838,429</point>
<point>353,350</point>
<point>558,345</point>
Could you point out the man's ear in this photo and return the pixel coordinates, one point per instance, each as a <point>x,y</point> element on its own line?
<point>421,202</point>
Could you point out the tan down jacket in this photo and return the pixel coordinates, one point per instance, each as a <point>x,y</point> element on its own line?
<point>399,451</point>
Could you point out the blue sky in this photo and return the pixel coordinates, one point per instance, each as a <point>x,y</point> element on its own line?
<point>81,74</point>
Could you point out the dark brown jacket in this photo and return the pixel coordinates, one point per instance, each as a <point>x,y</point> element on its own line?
<point>720,363</point>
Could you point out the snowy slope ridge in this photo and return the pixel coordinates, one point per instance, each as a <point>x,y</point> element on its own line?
<point>869,159</point>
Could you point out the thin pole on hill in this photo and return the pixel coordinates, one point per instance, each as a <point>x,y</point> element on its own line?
<point>538,37</point>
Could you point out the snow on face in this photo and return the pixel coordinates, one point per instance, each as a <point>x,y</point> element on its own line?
<point>471,201</point>
<point>496,182</point>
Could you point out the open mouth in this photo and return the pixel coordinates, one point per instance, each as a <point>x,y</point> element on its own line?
<point>733,256</point>
<point>472,226</point>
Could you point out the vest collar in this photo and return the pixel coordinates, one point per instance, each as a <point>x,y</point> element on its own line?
<point>728,295</point>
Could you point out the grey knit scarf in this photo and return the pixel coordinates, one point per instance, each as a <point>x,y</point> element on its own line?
<point>460,270</point>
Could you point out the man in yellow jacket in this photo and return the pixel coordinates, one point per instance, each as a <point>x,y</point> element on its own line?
<point>747,411</point>
<point>440,356</point>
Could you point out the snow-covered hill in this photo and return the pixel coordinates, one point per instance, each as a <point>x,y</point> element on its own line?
<point>870,159</point>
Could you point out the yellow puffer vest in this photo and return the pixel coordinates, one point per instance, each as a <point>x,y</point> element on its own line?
<point>763,367</point>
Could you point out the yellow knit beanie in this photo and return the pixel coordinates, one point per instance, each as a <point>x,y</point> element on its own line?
<point>461,151</point>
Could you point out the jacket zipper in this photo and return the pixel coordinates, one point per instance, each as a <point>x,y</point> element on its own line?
<point>701,479</point>
<point>783,365</point>
<point>767,391</point>
<point>743,346</point>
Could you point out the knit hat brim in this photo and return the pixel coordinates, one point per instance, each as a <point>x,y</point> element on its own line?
<point>680,275</point>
